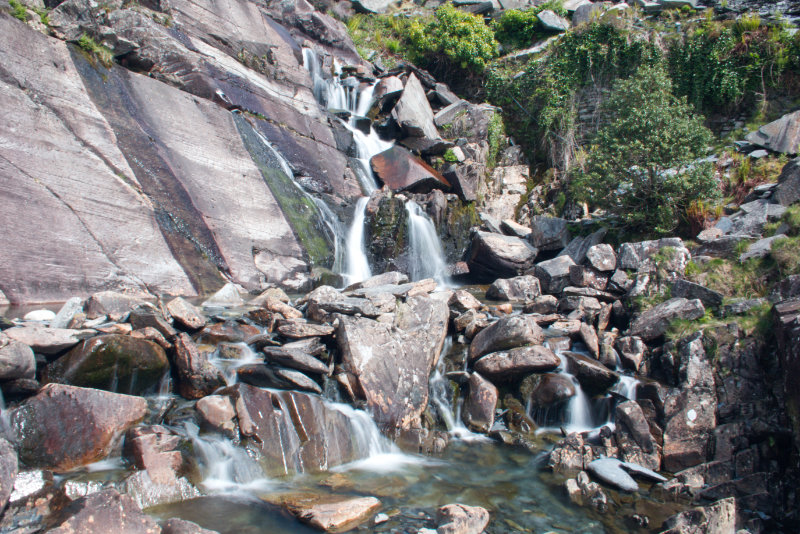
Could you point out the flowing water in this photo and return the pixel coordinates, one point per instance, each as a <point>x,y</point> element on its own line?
<point>426,257</point>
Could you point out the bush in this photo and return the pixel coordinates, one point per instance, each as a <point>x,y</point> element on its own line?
<point>519,28</point>
<point>642,167</point>
<point>95,50</point>
<point>452,40</point>
<point>18,11</point>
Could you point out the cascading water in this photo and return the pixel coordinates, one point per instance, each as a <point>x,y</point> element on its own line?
<point>427,259</point>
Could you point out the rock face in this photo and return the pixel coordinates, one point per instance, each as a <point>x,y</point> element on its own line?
<point>401,171</point>
<point>391,362</point>
<point>121,364</point>
<point>65,426</point>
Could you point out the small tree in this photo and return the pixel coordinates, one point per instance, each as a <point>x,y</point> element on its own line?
<point>643,164</point>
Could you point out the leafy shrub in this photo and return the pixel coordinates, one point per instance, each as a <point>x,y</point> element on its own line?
<point>18,11</point>
<point>452,39</point>
<point>519,28</point>
<point>642,166</point>
<point>92,48</point>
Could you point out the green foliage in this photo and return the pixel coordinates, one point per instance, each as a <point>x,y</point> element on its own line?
<point>642,166</point>
<point>792,219</point>
<point>724,66</point>
<point>18,10</point>
<point>497,139</point>
<point>786,253</point>
<point>452,39</point>
<point>90,46</point>
<point>450,156</point>
<point>519,28</point>
<point>755,323</point>
<point>749,279</point>
<point>539,104</point>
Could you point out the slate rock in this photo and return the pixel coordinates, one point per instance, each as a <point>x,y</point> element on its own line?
<point>554,273</point>
<point>690,290</point>
<point>398,169</point>
<point>413,112</point>
<point>506,333</point>
<point>513,363</point>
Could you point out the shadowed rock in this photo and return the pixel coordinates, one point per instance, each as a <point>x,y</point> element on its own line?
<point>197,377</point>
<point>493,256</point>
<point>401,171</point>
<point>782,135</point>
<point>480,404</point>
<point>654,322</point>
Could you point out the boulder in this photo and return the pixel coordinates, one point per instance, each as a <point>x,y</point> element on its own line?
<point>630,414</point>
<point>631,351</point>
<point>580,245</point>
<point>16,361</point>
<point>8,471</point>
<point>372,6</point>
<point>413,112</point>
<point>760,248</point>
<point>113,304</point>
<point>398,169</point>
<point>548,389</point>
<point>493,256</point>
<point>185,314</point>
<point>586,12</point>
<point>554,273</point>
<point>593,376</point>
<point>218,414</point>
<point>63,427</point>
<point>505,365</point>
<point>610,471</point>
<point>300,329</point>
<point>333,514</point>
<point>461,519</point>
<point>197,376</point>
<point>671,252</point>
<point>602,257</point>
<point>690,290</point>
<point>297,380</point>
<point>45,340</point>
<point>519,288</point>
<point>549,233</point>
<point>543,305</point>
<point>148,316</point>
<point>462,301</point>
<point>68,310</point>
<point>296,359</point>
<point>551,22</point>
<point>719,517</point>
<point>506,333</point>
<point>392,362</point>
<point>449,113</point>
<point>788,190</point>
<point>654,322</point>
<point>480,404</point>
<point>511,227</point>
<point>228,296</point>
<point>782,135</point>
<point>465,179</point>
<point>155,450</point>
<point>583,276</point>
<point>103,512</point>
<point>121,364</point>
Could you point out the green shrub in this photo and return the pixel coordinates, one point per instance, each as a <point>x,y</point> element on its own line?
<point>450,156</point>
<point>18,11</point>
<point>452,40</point>
<point>91,47</point>
<point>642,165</point>
<point>786,253</point>
<point>519,28</point>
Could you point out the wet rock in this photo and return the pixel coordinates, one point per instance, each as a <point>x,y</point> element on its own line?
<point>298,380</point>
<point>493,256</point>
<point>47,340</point>
<point>8,471</point>
<point>146,492</point>
<point>583,492</point>
<point>602,257</point>
<point>333,514</point>
<point>295,359</point>
<point>593,375</point>
<point>299,329</point>
<point>554,274</point>
<point>631,351</point>
<point>461,519</point>
<point>690,290</point>
<point>293,432</point>
<point>547,390</point>
<point>392,362</point>
<point>570,455</point>
<point>70,308</point>
<point>154,449</point>
<point>121,364</point>
<point>65,426</point>
<point>463,300</point>
<point>654,322</point>
<point>782,135</point>
<point>398,169</point>
<point>548,233</point>
<point>197,376</point>
<point>181,526</point>
<point>16,361</point>
<point>788,190</point>
<point>114,305</point>
<point>499,366</point>
<point>480,404</point>
<point>610,471</point>
<point>103,512</point>
<point>185,314</point>
<point>519,288</point>
<point>218,414</point>
<point>506,333</point>
<point>148,316</point>
<point>227,297</point>
<point>229,332</point>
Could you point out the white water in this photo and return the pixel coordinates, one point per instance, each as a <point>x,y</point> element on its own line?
<point>626,387</point>
<point>228,366</point>
<point>426,256</point>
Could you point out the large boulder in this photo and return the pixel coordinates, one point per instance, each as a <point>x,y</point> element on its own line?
<point>17,361</point>
<point>480,404</point>
<point>66,426</point>
<point>401,171</point>
<point>520,288</point>
<point>517,362</point>
<point>45,340</point>
<point>788,190</point>
<point>670,252</point>
<point>391,363</point>
<point>332,513</point>
<point>782,135</point>
<point>548,389</point>
<point>549,233</point>
<point>506,333</point>
<point>197,376</point>
<point>413,112</point>
<point>554,273</point>
<point>654,322</point>
<point>593,376</point>
<point>719,517</point>
<point>186,314</point>
<point>122,364</point>
<point>492,256</point>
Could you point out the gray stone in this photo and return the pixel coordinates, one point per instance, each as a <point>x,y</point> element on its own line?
<point>546,390</point>
<point>549,233</point>
<point>511,227</point>
<point>760,248</point>
<point>228,296</point>
<point>519,288</point>
<point>513,363</point>
<point>506,333</point>
<point>642,472</point>
<point>610,471</point>
<point>631,351</point>
<point>587,277</point>
<point>448,114</point>
<point>106,511</point>
<point>654,322</point>
<point>298,380</point>
<point>554,273</point>
<point>67,312</point>
<point>8,471</point>
<point>630,414</point>
<point>586,12</point>
<point>480,404</point>
<point>413,112</point>
<point>543,305</point>
<point>637,256</point>
<point>372,6</point>
<point>47,340</point>
<point>690,290</point>
<point>16,361</point>
<point>719,517</point>
<point>552,22</point>
<point>593,375</point>
<point>788,190</point>
<point>602,257</point>
<point>465,179</point>
<point>197,376</point>
<point>461,519</point>
<point>579,246</point>
<point>295,359</point>
<point>186,314</point>
<point>782,135</point>
<point>741,306</point>
<point>333,514</point>
<point>498,256</point>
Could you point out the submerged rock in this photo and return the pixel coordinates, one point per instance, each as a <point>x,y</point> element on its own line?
<point>65,426</point>
<point>332,514</point>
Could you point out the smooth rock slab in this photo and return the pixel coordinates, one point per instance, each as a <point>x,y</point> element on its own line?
<point>65,426</point>
<point>401,171</point>
<point>336,515</point>
<point>48,340</point>
<point>515,362</point>
<point>610,471</point>
<point>185,314</point>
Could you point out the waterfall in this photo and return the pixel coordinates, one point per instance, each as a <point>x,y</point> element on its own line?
<point>426,256</point>
<point>626,387</point>
<point>447,405</point>
<point>356,253</point>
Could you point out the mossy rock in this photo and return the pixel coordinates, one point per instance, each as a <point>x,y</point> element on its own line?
<point>121,364</point>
